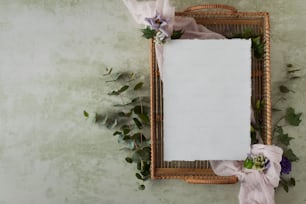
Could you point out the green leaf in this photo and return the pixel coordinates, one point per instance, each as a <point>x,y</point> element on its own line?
<point>137,100</point>
<point>126,129</point>
<point>118,92</point>
<point>147,166</point>
<point>276,109</point>
<point>139,166</point>
<point>117,133</point>
<point>284,89</point>
<point>108,71</point>
<point>113,93</point>
<point>258,47</point>
<point>121,105</point>
<point>247,33</point>
<point>254,140</point>
<point>294,77</point>
<point>132,77</point>
<point>292,181</point>
<point>124,88</point>
<point>284,139</point>
<point>85,114</point>
<point>256,41</point>
<point>138,176</point>
<point>252,129</point>
<point>138,86</point>
<point>147,153</point>
<point>139,138</point>
<point>138,123</point>
<point>290,155</point>
<point>141,155</point>
<point>144,118</point>
<point>100,118</point>
<point>293,70</point>
<point>292,118</point>
<point>138,109</point>
<point>122,139</point>
<point>279,129</point>
<point>136,157</point>
<point>286,188</point>
<point>107,120</point>
<point>147,150</point>
<point>248,163</point>
<point>141,109</point>
<point>284,184</point>
<point>126,76</point>
<point>177,34</point>
<point>123,114</point>
<point>145,173</point>
<point>259,104</point>
<point>143,99</point>
<point>137,135</point>
<point>129,144</point>
<point>141,187</point>
<point>129,160</point>
<point>148,33</point>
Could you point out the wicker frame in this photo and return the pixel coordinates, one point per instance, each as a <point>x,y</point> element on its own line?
<point>221,19</point>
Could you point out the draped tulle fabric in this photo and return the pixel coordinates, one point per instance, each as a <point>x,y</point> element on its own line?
<point>256,187</point>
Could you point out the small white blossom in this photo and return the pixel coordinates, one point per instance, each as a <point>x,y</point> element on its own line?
<point>161,37</point>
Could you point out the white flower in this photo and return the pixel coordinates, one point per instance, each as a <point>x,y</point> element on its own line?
<point>161,37</point>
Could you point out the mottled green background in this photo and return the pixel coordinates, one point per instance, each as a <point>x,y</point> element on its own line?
<point>52,56</point>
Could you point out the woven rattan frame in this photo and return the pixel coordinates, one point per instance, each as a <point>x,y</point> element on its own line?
<point>221,19</point>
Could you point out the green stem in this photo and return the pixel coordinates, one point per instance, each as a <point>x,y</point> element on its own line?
<point>276,123</point>
<point>141,106</point>
<point>278,100</point>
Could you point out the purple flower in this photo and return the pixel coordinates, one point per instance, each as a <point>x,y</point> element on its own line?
<point>286,165</point>
<point>157,23</point>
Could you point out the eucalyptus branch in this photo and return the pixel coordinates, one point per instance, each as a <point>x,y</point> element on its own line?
<point>122,101</point>
<point>132,134</point>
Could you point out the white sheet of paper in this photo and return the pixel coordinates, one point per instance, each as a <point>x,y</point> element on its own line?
<point>207,99</point>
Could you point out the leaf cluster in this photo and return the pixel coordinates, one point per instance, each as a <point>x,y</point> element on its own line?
<point>287,182</point>
<point>149,33</point>
<point>289,117</point>
<point>258,45</point>
<point>129,121</point>
<point>177,34</point>
<point>257,126</point>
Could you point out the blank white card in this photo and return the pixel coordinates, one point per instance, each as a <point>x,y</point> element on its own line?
<point>207,99</point>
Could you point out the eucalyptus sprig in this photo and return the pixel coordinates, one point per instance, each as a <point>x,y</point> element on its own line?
<point>129,121</point>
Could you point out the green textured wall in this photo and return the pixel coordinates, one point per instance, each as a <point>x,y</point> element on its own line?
<point>52,56</point>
